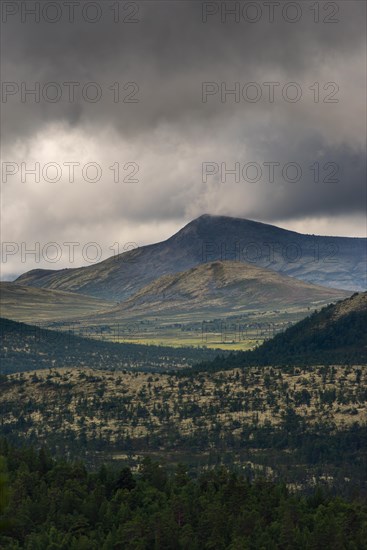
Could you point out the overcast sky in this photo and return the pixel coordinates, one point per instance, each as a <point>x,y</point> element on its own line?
<point>172,134</point>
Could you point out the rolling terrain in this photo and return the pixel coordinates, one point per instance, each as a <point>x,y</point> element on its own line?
<point>29,304</point>
<point>299,419</point>
<point>335,262</point>
<point>225,297</point>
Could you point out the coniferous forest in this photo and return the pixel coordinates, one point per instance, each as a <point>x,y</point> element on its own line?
<point>55,504</point>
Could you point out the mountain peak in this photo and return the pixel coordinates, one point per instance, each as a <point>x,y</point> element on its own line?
<point>335,262</point>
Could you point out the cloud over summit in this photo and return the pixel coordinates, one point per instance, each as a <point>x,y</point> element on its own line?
<point>162,124</point>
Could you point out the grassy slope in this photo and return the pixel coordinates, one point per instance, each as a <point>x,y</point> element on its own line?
<point>23,303</point>
<point>227,286</point>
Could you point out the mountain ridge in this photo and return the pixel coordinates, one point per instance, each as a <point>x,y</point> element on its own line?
<point>335,262</point>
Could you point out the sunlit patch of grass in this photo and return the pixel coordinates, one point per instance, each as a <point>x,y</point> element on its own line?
<point>195,342</point>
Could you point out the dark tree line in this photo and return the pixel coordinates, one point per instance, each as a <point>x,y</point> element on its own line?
<point>54,504</point>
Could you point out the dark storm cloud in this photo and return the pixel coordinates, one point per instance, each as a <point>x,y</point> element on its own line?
<point>170,131</point>
<point>336,188</point>
<point>169,52</point>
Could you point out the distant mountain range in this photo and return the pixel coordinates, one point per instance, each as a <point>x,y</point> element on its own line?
<point>334,262</point>
<point>335,334</point>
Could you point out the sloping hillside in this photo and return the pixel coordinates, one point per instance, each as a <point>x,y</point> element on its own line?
<point>223,287</point>
<point>24,303</point>
<point>336,334</point>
